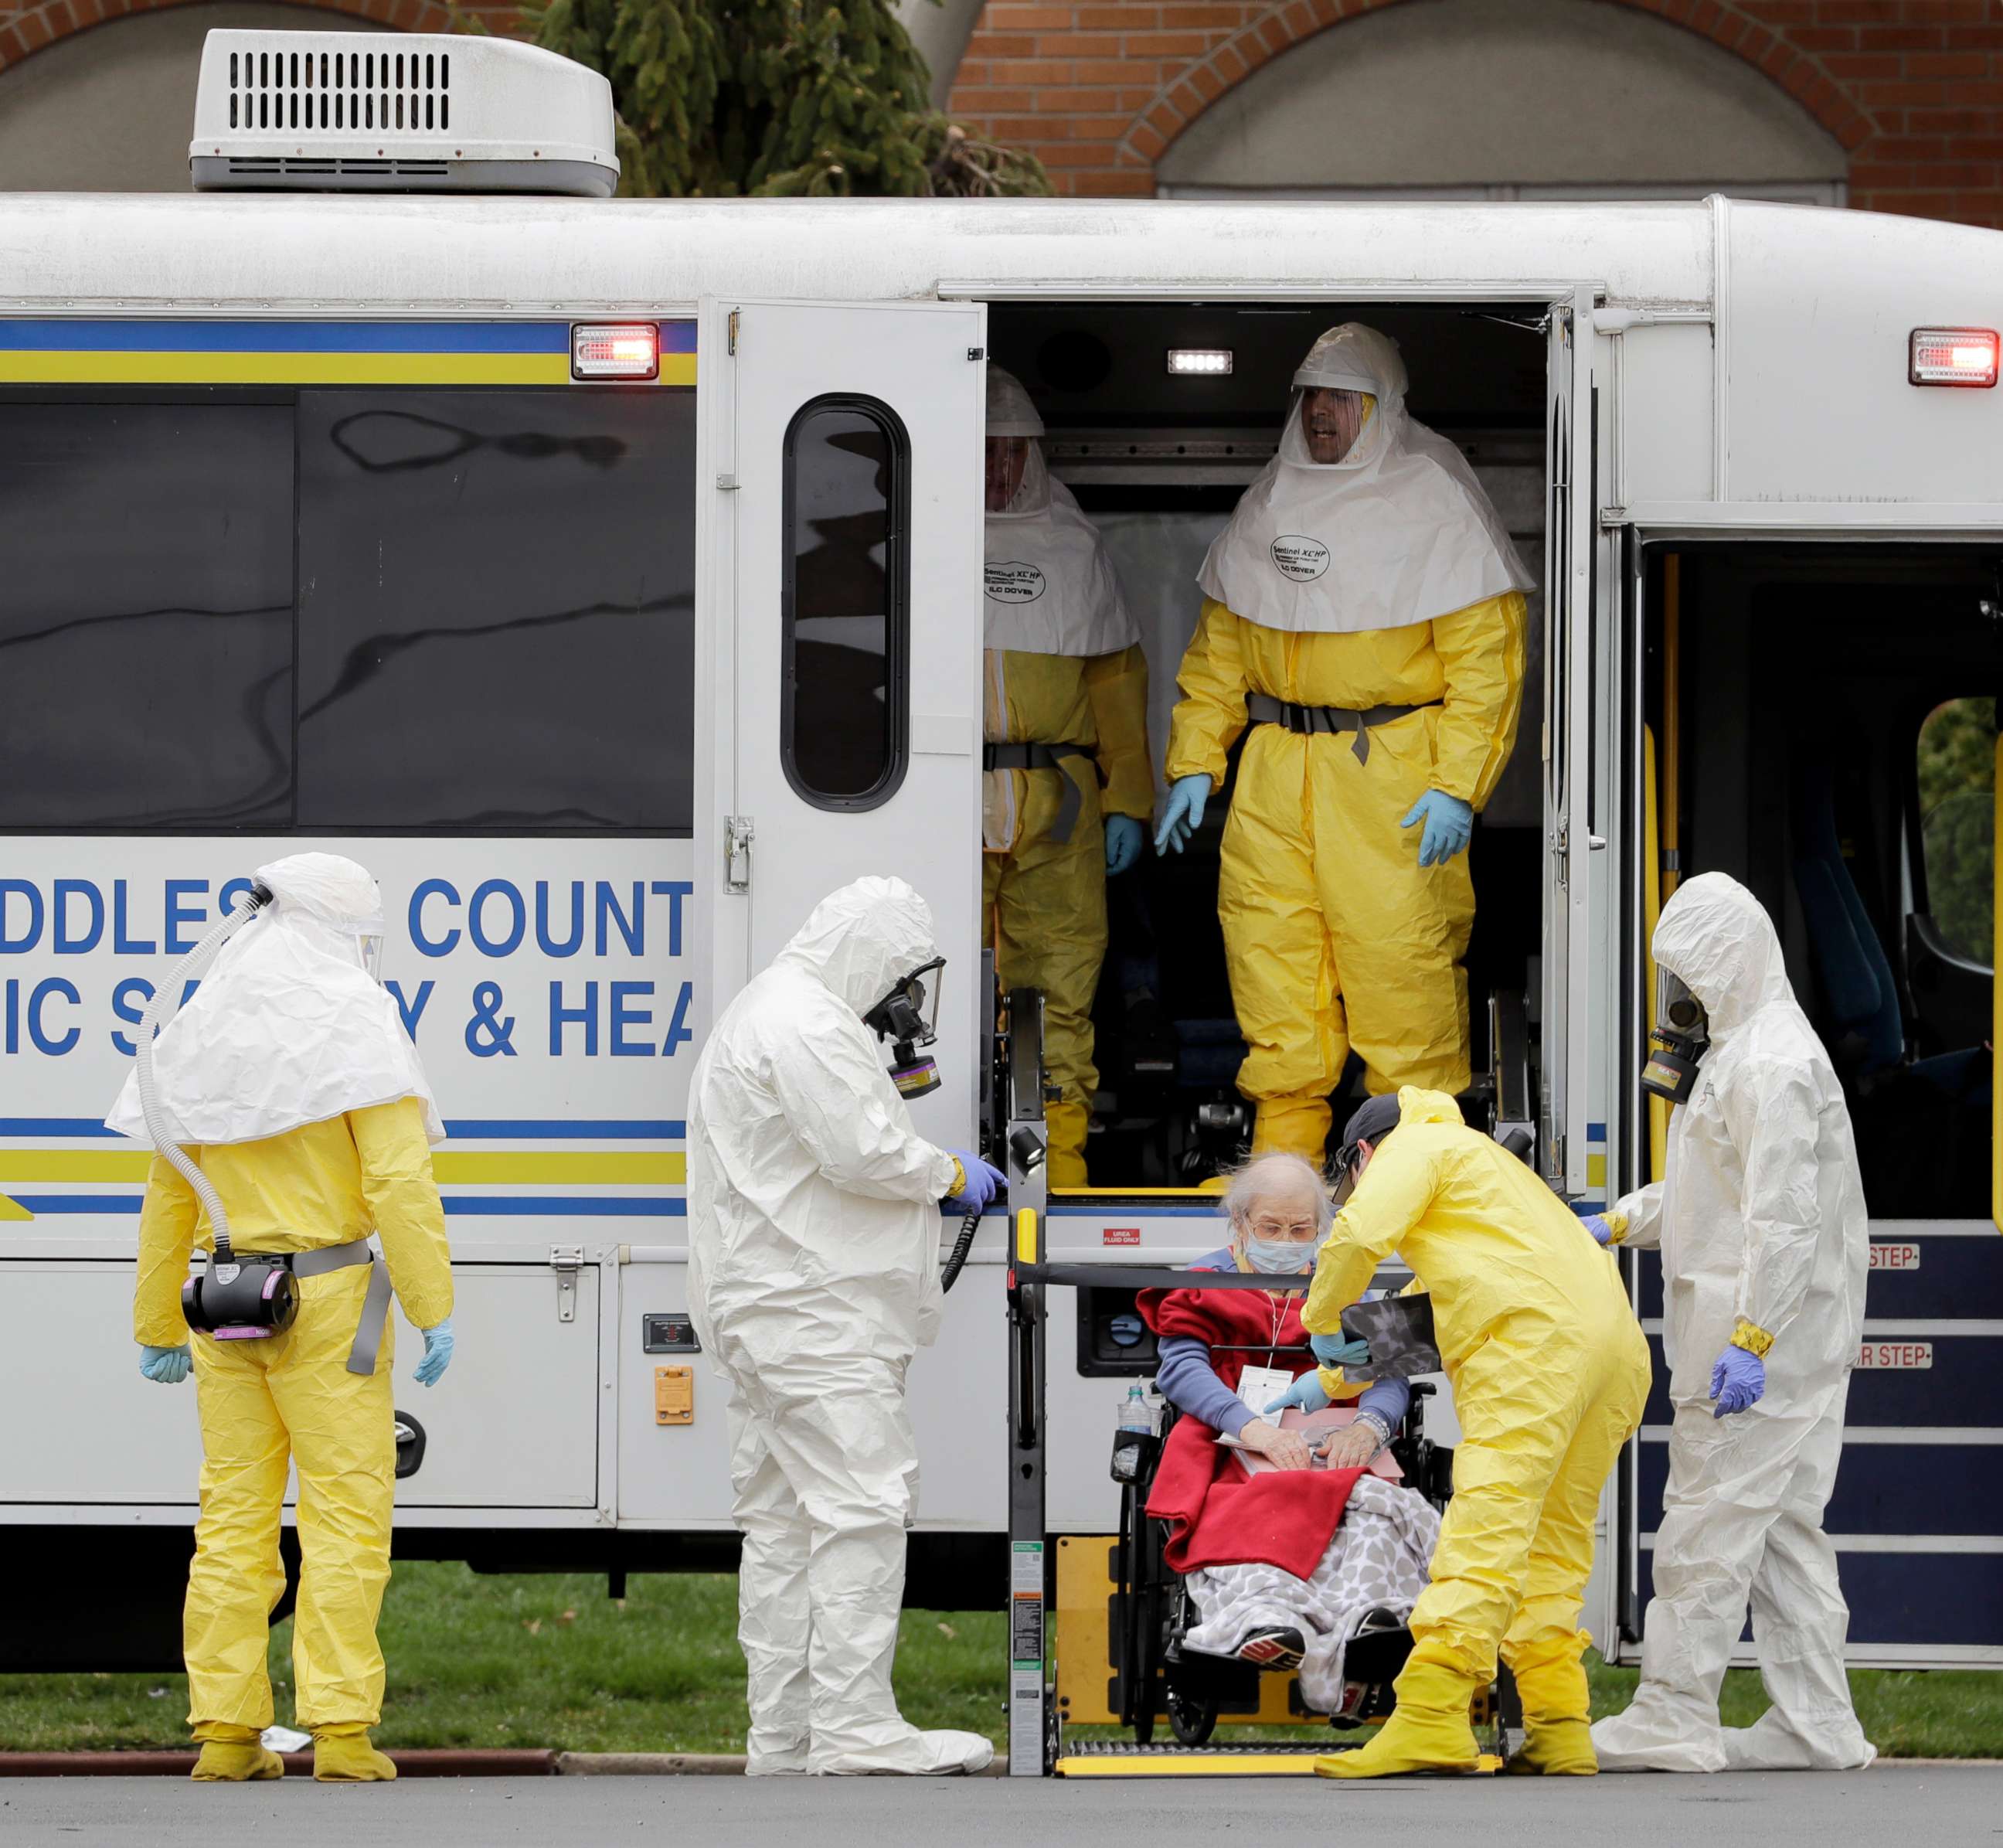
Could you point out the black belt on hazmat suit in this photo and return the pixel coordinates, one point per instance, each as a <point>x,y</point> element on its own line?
<point>374,1305</point>
<point>1262,709</point>
<point>1046,757</point>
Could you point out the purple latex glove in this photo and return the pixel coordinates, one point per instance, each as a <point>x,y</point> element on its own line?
<point>1738,1381</point>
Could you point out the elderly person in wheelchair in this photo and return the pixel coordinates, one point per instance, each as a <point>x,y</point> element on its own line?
<point>1291,1539</point>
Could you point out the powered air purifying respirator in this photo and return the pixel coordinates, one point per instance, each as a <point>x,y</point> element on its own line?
<point>1676,1046</point>
<point>901,1018</point>
<point>234,1299</point>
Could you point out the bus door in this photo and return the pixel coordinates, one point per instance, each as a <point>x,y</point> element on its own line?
<point>838,652</point>
<point>1580,670</point>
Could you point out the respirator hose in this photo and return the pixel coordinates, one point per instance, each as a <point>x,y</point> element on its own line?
<point>160,1010</point>
<point>956,1261</point>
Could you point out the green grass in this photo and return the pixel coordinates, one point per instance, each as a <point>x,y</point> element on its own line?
<point>538,1662</point>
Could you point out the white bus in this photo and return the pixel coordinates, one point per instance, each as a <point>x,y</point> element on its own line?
<point>311,531</point>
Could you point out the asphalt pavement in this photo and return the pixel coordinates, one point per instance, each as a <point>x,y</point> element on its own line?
<point>1926,1804</point>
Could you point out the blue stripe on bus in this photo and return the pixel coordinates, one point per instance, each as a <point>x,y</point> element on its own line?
<point>39,1204</point>
<point>306,337</point>
<point>578,1206</point>
<point>55,1126</point>
<point>284,336</point>
<point>547,1129</point>
<point>527,1128</point>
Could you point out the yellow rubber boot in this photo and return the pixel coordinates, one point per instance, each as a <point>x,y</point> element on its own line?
<point>1550,1679</point>
<point>1428,1732</point>
<point>233,1755</point>
<point>343,1754</point>
<point>1557,1749</point>
<point>1065,1124</point>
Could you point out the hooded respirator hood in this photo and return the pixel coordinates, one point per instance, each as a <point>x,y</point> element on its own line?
<point>1396,532</point>
<point>289,1026</point>
<point>1718,962</point>
<point>1050,588</point>
<point>872,944</point>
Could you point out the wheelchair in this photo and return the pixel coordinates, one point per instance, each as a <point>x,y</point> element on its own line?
<point>1157,1676</point>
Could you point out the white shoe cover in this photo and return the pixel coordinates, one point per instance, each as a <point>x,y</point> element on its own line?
<point>793,1761</point>
<point>942,1754</point>
<point>1771,1743</point>
<point>1651,1735</point>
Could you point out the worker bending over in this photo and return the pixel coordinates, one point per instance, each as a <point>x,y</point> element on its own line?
<point>1548,1370</point>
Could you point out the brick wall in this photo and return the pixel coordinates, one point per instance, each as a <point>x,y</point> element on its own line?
<point>25,30</point>
<point>1912,89</point>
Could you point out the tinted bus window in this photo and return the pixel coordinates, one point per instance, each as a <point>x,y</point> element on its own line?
<point>146,615</point>
<point>496,609</point>
<point>843,719</point>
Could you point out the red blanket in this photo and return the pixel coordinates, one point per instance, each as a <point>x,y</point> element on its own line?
<point>1220,1513</point>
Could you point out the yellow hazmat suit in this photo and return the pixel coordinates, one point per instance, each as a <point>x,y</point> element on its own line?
<point>1550,1371</point>
<point>1336,937</point>
<point>1046,898</point>
<point>290,1398</point>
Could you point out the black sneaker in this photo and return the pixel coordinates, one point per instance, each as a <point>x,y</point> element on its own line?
<point>1278,1649</point>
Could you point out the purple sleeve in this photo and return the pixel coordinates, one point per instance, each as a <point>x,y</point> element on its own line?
<point>1390,1399</point>
<point>1188,1382</point>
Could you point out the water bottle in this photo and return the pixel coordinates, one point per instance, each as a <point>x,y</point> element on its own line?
<point>1134,1424</point>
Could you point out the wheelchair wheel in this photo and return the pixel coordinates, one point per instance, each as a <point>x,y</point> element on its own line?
<point>1191,1718</point>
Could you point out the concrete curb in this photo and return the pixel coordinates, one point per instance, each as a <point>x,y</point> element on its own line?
<point>677,1764</point>
<point>444,1763</point>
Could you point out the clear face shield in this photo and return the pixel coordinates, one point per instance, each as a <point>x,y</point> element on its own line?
<point>1681,1037</point>
<point>1327,427</point>
<point>370,946</point>
<point>908,1017</point>
<point>1017,482</point>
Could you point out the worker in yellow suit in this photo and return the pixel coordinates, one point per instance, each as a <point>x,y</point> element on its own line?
<point>1363,614</point>
<point>1069,784</point>
<point>290,1083</point>
<point>1550,1371</point>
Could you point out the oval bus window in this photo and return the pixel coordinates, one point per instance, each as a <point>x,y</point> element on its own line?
<point>844,605</point>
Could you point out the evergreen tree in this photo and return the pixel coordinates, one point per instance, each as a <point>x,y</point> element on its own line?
<point>723,98</point>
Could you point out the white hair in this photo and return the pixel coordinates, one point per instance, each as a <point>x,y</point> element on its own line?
<point>1257,1177</point>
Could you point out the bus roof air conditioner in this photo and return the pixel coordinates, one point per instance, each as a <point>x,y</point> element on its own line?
<point>398,112</point>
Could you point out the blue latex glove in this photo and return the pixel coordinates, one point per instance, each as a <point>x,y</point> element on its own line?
<point>1449,825</point>
<point>1183,814</point>
<point>1124,836</point>
<point>984,1182</point>
<point>1339,1350</point>
<point>1307,1394</point>
<point>1594,1223</point>
<point>165,1366</point>
<point>1738,1380</point>
<point>438,1354</point>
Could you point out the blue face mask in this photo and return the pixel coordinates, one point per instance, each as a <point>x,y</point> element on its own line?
<point>1276,1256</point>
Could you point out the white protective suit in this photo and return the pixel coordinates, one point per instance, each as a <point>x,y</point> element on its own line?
<point>1397,533</point>
<point>287,1027</point>
<point>1761,1219</point>
<point>814,1234</point>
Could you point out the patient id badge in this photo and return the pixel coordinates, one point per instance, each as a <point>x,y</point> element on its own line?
<point>1259,1386</point>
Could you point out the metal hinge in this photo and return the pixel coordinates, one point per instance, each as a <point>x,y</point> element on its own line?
<point>737,832</point>
<point>727,484</point>
<point>730,338</point>
<point>566,1260</point>
<point>976,353</point>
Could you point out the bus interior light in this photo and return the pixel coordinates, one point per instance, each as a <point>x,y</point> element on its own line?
<point>1200,361</point>
<point>1952,356</point>
<point>624,350</point>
